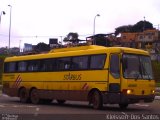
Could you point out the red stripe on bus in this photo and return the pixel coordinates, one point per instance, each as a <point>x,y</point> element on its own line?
<point>17,82</point>
<point>84,86</point>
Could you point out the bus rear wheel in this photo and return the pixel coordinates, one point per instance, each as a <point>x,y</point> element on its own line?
<point>34,96</point>
<point>123,105</point>
<point>97,100</point>
<point>61,101</point>
<point>24,98</point>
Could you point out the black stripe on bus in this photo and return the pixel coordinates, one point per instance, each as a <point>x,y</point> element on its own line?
<point>59,81</point>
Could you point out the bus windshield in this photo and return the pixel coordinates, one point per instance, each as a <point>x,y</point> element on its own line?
<point>137,67</point>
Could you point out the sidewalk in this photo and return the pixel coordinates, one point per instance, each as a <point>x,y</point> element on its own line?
<point>157,97</point>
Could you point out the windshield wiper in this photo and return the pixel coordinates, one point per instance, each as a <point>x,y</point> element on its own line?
<point>139,73</point>
<point>145,72</point>
<point>137,76</point>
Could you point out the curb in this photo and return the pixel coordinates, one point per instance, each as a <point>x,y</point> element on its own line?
<point>157,97</point>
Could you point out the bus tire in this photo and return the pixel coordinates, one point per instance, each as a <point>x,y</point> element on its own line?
<point>23,95</point>
<point>123,105</point>
<point>34,96</point>
<point>97,100</point>
<point>61,101</point>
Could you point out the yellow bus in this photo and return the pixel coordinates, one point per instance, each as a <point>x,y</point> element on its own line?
<point>99,75</point>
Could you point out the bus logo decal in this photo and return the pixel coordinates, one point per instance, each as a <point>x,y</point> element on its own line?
<point>85,86</point>
<point>17,82</point>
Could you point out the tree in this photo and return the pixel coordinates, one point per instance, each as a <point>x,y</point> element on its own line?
<point>71,37</point>
<point>41,47</point>
<point>138,27</point>
<point>142,25</point>
<point>125,28</point>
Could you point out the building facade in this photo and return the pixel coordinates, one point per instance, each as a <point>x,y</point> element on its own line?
<point>147,40</point>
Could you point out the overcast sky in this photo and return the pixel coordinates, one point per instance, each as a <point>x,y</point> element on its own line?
<point>35,21</point>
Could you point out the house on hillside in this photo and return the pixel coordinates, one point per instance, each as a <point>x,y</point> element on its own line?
<point>147,40</point>
<point>129,40</point>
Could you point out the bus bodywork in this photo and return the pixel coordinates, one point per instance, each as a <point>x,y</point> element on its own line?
<point>100,75</point>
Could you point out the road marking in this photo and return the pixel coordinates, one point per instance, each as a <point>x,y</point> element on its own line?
<point>15,106</point>
<point>18,106</point>
<point>37,109</point>
<point>142,105</point>
<point>31,106</point>
<point>123,113</point>
<point>2,106</point>
<point>36,113</point>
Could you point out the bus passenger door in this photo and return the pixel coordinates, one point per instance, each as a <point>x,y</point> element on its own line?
<point>114,83</point>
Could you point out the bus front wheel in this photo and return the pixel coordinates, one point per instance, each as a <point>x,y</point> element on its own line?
<point>34,96</point>
<point>97,100</point>
<point>123,105</point>
<point>61,101</point>
<point>47,101</point>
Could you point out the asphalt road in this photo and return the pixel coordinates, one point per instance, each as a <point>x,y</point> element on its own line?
<point>12,109</point>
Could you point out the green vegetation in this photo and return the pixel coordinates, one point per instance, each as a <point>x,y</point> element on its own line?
<point>138,27</point>
<point>158,84</point>
<point>158,94</point>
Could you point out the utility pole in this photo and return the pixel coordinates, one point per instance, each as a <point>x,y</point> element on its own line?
<point>10,27</point>
<point>94,41</point>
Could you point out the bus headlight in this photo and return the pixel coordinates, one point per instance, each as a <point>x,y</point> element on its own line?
<point>152,91</point>
<point>129,91</point>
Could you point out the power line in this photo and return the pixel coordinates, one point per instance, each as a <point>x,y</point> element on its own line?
<point>3,35</point>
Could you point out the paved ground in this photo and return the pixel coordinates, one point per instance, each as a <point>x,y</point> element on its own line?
<point>11,108</point>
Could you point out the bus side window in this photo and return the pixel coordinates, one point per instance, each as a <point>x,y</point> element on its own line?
<point>22,66</point>
<point>115,66</point>
<point>64,63</point>
<point>30,66</point>
<point>80,62</point>
<point>10,67</point>
<point>97,61</point>
<point>47,65</point>
<point>33,65</point>
<point>6,67</point>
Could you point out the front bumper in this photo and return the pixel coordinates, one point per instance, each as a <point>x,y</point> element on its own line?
<point>117,98</point>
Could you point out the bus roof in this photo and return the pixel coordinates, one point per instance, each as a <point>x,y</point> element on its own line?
<point>80,50</point>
